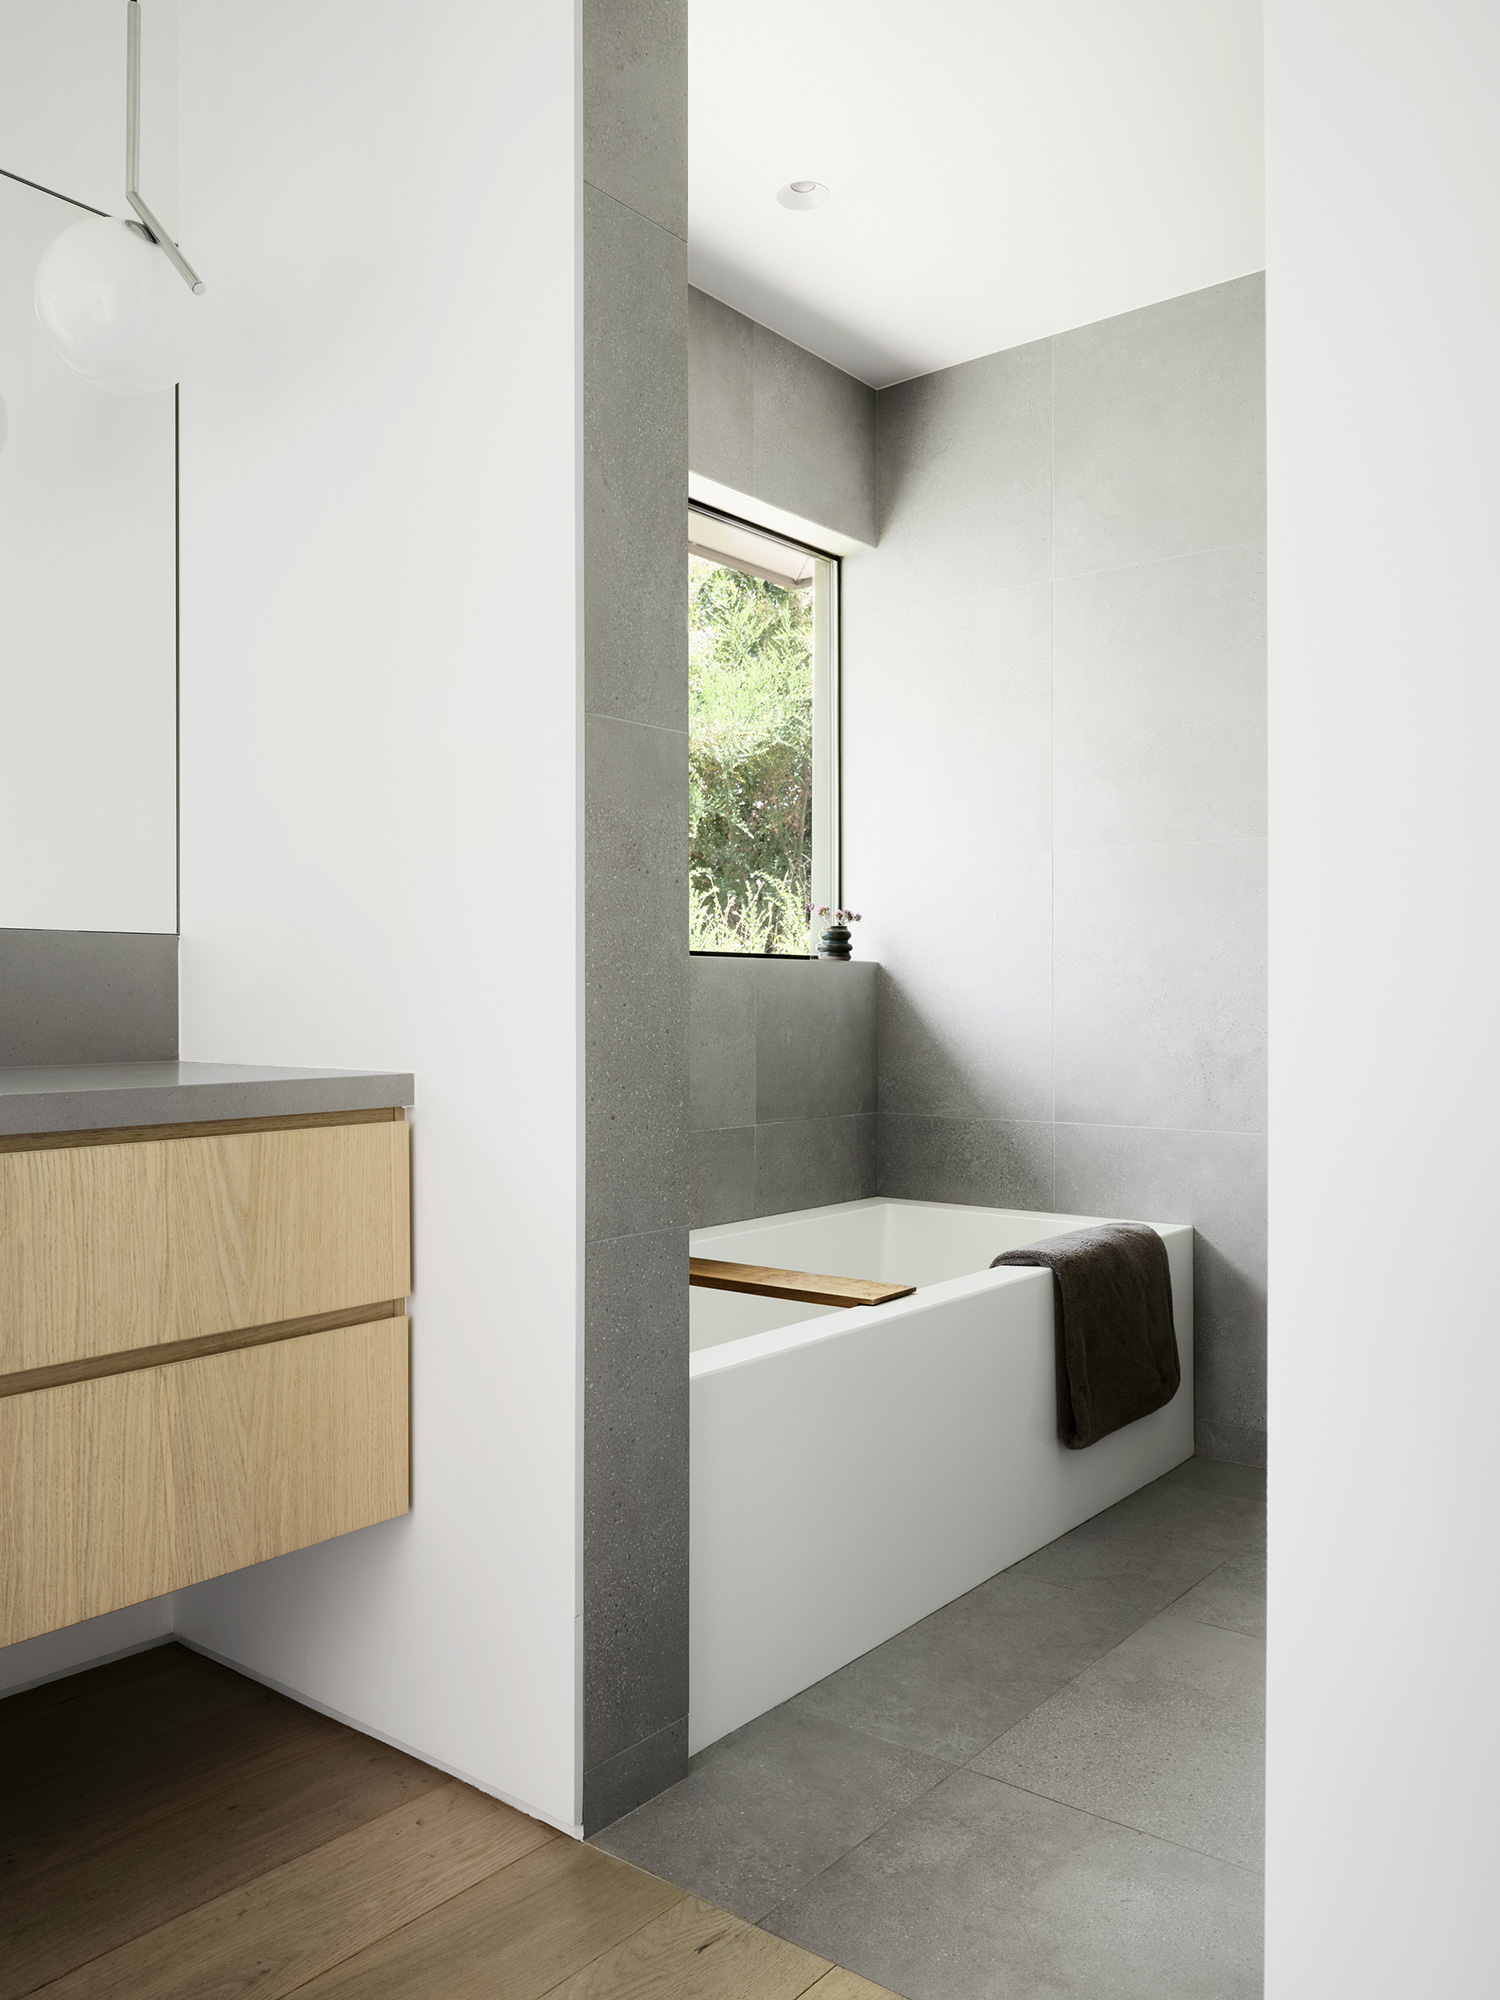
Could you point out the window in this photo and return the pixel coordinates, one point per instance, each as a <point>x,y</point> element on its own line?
<point>763,737</point>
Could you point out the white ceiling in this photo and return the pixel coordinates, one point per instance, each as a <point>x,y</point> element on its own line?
<point>1001,169</point>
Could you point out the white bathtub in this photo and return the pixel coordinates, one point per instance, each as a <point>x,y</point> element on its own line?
<point>852,1470</point>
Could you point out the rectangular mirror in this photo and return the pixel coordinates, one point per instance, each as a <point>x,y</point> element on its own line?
<point>88,623</point>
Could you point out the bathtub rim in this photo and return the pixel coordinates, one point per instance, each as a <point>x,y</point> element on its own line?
<point>753,1347</point>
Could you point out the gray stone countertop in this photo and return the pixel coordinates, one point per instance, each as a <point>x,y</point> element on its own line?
<point>91,1097</point>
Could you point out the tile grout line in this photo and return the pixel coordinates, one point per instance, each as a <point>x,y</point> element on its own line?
<point>949,1771</point>
<point>892,1743</point>
<point>1063,1686</point>
<point>946,1769</point>
<point>636,1235</point>
<point>813,1118</point>
<point>633,722</point>
<point>1160,1612</point>
<point>1155,562</point>
<point>631,209</point>
<point>1125,1825</point>
<point>763,1922</point>
<point>1168,846</point>
<point>1087,1125</point>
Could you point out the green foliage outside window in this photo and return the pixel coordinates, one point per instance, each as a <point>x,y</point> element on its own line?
<point>750,717</point>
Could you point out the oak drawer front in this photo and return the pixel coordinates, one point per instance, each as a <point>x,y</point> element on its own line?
<point>105,1248</point>
<point>270,1226</point>
<point>83,1253</point>
<point>125,1486</point>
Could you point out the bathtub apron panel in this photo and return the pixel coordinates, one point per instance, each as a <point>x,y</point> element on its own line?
<point>852,1473</point>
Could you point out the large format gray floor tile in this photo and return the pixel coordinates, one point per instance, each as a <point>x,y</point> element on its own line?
<point>952,1683</point>
<point>1233,1596</point>
<point>1175,1533</point>
<point>1165,1734</point>
<point>978,1891</point>
<point>838,1822</point>
<point>767,1808</point>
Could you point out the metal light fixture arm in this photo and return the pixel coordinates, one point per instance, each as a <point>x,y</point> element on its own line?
<point>151,226</point>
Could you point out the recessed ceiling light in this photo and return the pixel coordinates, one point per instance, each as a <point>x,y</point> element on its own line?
<point>802,194</point>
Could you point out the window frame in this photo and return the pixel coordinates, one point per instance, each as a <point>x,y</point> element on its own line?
<point>828,719</point>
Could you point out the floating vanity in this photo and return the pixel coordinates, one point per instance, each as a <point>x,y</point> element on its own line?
<point>203,1339</point>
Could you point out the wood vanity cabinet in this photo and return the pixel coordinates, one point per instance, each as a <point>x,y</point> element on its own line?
<point>203,1352</point>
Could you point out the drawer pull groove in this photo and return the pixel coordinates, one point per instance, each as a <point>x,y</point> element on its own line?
<point>128,1359</point>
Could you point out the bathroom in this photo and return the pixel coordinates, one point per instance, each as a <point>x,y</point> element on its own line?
<point>346,835</point>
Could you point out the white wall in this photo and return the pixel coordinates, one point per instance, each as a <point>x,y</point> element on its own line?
<point>381,783</point>
<point>88,624</point>
<point>1384,299</point>
<point>62,100</point>
<point>88,699</point>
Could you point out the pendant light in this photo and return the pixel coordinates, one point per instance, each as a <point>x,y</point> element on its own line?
<point>115,298</point>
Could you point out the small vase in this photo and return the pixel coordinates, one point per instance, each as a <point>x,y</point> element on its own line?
<point>835,942</point>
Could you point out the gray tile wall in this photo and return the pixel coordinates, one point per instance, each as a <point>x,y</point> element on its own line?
<point>1055,793</point>
<point>87,996</point>
<point>781,1085</point>
<point>773,421</point>
<point>635,867</point>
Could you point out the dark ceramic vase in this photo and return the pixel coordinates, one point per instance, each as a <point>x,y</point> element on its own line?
<point>835,942</point>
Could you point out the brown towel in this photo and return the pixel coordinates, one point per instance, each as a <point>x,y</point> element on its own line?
<point>1112,1309</point>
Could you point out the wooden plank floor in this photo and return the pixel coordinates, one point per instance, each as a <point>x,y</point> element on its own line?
<point>170,1830</point>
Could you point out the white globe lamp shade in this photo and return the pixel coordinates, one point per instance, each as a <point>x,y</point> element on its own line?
<point>113,306</point>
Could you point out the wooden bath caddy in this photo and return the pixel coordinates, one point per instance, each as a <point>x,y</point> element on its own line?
<point>809,1286</point>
